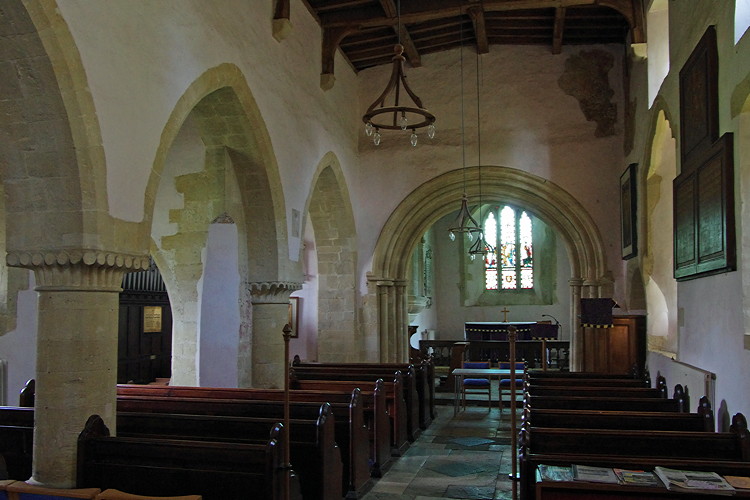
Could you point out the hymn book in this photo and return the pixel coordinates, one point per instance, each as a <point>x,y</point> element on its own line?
<point>637,478</point>
<point>694,481</point>
<point>594,474</point>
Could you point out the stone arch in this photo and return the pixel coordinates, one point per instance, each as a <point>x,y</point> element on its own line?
<point>235,180</point>
<point>427,203</point>
<point>249,145</point>
<point>80,164</point>
<point>332,217</point>
<point>742,147</point>
<point>655,257</point>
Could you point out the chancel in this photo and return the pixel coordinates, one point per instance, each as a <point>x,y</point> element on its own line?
<point>182,180</point>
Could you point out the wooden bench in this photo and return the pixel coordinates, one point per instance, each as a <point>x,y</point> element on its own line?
<point>606,403</point>
<point>597,391</point>
<point>585,375</point>
<point>424,372</point>
<point>356,476</point>
<point>702,420</point>
<point>367,415</point>
<point>163,467</point>
<point>396,406</point>
<point>313,449</point>
<point>16,440</point>
<point>631,449</point>
<point>408,386</point>
<point>587,382</point>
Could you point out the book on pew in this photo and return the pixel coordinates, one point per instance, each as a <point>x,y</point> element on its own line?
<point>694,481</point>
<point>637,478</point>
<point>593,474</point>
<point>555,472</point>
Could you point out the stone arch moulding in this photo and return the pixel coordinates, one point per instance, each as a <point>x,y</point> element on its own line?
<point>229,76</point>
<point>442,195</point>
<point>330,211</point>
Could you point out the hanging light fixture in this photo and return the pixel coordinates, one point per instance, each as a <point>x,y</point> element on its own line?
<point>465,223</point>
<point>481,247</point>
<point>398,116</point>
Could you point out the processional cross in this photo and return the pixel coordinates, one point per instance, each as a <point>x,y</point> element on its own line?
<point>505,312</point>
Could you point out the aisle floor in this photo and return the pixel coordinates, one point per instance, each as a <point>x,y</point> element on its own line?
<point>467,456</point>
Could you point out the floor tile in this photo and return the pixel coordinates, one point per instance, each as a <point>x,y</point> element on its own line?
<point>463,456</point>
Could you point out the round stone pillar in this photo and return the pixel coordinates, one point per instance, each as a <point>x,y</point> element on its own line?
<point>270,313</point>
<point>76,367</point>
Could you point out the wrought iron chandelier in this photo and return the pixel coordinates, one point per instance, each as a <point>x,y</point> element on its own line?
<point>481,246</point>
<point>398,115</point>
<point>465,223</point>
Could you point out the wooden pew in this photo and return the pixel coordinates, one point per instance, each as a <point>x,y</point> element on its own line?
<point>357,480</point>
<point>606,403</point>
<point>587,375</point>
<point>163,467</point>
<point>16,440</point>
<point>588,382</point>
<point>597,391</point>
<point>424,381</point>
<point>702,420</point>
<point>367,416</point>
<point>313,449</point>
<point>394,401</point>
<point>631,449</point>
<point>408,386</point>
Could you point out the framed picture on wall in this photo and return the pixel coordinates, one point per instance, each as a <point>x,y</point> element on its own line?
<point>628,224</point>
<point>294,316</point>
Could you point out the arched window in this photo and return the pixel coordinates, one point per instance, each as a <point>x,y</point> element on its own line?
<point>511,265</point>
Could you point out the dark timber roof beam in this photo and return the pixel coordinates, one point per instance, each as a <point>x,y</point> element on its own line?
<point>557,35</point>
<point>480,29</point>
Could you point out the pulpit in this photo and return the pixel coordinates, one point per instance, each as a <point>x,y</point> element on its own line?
<point>617,349</point>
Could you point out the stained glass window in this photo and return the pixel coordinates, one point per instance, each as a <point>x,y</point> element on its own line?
<point>511,265</point>
<point>490,258</point>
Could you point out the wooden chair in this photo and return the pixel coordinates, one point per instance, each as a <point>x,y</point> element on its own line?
<point>113,494</point>
<point>505,381</point>
<point>476,384</point>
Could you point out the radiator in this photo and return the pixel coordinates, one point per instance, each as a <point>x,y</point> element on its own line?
<point>3,382</point>
<point>699,382</point>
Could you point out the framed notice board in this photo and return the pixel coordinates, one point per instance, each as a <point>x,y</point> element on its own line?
<point>704,225</point>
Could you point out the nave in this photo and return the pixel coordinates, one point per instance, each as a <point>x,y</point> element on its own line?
<point>463,456</point>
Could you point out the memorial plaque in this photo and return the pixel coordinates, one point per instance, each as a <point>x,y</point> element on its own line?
<point>151,319</point>
<point>704,225</point>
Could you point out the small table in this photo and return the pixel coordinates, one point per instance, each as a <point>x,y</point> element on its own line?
<point>460,373</point>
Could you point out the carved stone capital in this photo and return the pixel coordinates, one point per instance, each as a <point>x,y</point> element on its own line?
<point>272,292</point>
<point>76,270</point>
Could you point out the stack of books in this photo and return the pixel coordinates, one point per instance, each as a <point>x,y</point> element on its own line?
<point>661,477</point>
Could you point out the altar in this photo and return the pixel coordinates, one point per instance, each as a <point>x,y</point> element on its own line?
<point>486,330</point>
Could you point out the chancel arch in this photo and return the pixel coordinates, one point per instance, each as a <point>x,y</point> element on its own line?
<point>215,194</point>
<point>334,250</point>
<point>440,196</point>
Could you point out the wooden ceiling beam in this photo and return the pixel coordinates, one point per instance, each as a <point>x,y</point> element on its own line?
<point>281,25</point>
<point>480,29</point>
<point>557,34</point>
<point>427,10</point>
<point>410,50</point>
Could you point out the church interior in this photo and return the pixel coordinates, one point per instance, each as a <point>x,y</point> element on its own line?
<point>183,179</point>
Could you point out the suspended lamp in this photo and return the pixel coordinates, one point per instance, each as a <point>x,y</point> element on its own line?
<point>465,223</point>
<point>391,112</point>
<point>481,247</point>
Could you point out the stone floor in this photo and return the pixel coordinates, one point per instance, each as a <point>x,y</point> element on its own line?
<point>464,456</point>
